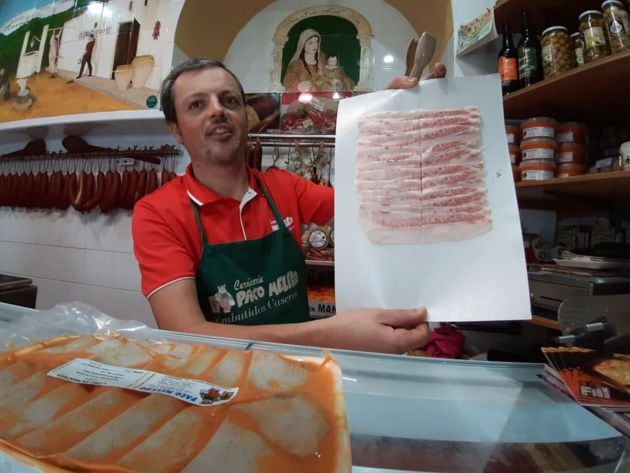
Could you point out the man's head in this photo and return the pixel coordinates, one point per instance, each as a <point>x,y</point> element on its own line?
<point>203,103</point>
<point>167,96</point>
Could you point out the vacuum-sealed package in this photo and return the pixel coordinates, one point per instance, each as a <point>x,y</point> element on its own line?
<point>105,402</point>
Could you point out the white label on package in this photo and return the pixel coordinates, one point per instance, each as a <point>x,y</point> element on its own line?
<point>200,393</point>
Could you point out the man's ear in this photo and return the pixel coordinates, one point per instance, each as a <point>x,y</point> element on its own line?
<point>176,132</point>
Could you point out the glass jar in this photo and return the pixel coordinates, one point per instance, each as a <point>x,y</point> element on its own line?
<point>592,29</point>
<point>617,24</point>
<point>556,51</point>
<point>577,43</point>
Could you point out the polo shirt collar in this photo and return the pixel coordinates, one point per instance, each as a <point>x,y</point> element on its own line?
<point>201,195</point>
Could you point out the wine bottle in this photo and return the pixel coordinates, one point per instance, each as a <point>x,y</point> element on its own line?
<point>529,68</point>
<point>508,62</point>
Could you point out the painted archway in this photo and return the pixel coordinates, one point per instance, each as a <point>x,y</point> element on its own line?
<point>364,35</point>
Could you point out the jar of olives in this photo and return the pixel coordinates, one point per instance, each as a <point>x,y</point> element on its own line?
<point>617,24</point>
<point>556,51</point>
<point>592,29</point>
<point>577,43</point>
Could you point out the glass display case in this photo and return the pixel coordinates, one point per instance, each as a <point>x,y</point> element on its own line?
<point>435,415</point>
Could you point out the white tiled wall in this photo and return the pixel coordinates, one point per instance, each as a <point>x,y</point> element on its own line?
<point>69,256</point>
<point>80,257</point>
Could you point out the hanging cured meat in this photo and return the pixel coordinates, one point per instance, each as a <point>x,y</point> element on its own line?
<point>288,414</point>
<point>420,176</point>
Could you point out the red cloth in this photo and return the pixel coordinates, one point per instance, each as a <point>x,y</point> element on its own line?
<point>166,240</point>
<point>445,342</point>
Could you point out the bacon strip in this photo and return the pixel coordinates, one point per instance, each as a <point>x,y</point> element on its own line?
<point>420,176</point>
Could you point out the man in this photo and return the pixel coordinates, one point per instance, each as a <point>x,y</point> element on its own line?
<point>87,56</point>
<point>217,247</point>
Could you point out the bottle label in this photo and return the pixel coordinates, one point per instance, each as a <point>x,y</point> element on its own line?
<point>578,53</point>
<point>565,137</point>
<point>565,157</point>
<point>508,69</point>
<point>594,37</point>
<point>527,62</point>
<point>538,153</point>
<point>539,131</point>
<point>616,26</point>
<point>536,175</point>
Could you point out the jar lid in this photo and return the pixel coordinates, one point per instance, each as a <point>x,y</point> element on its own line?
<point>555,28</point>
<point>616,3</point>
<point>538,119</point>
<point>568,166</point>
<point>538,142</point>
<point>549,163</point>
<point>579,124</point>
<point>577,33</point>
<point>590,13</point>
<point>570,145</point>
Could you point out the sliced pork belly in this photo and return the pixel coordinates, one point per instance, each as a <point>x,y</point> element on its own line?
<point>287,415</point>
<point>420,176</point>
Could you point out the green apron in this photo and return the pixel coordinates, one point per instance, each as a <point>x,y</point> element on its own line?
<point>253,282</point>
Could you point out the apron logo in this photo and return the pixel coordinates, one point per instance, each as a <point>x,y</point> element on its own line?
<point>222,301</point>
<point>288,222</point>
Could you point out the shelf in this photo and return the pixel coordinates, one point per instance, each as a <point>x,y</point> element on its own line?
<point>601,186</point>
<point>141,122</point>
<point>542,13</point>
<point>593,92</point>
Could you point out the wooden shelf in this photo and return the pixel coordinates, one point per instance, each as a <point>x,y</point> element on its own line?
<point>601,186</point>
<point>591,93</point>
<point>545,322</point>
<point>542,13</point>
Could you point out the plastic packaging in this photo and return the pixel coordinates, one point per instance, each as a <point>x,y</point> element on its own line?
<point>577,44</point>
<point>571,152</point>
<point>570,169</point>
<point>571,131</point>
<point>556,51</point>
<point>592,29</point>
<point>617,24</point>
<point>537,169</point>
<point>73,318</point>
<point>538,148</point>
<point>539,127</point>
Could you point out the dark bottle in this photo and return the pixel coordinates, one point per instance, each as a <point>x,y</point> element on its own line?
<point>508,62</point>
<point>529,61</point>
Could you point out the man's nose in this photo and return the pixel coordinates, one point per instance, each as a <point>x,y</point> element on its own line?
<point>215,108</point>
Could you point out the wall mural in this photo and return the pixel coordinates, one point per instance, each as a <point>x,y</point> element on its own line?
<point>76,56</point>
<point>321,54</point>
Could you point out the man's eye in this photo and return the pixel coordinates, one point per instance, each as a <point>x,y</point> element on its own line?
<point>195,105</point>
<point>231,101</point>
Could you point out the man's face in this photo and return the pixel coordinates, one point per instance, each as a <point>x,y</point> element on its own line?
<point>211,118</point>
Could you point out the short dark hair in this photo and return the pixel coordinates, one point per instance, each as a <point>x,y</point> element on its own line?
<point>167,98</point>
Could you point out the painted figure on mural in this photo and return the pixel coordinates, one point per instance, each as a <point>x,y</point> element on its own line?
<point>53,54</point>
<point>307,70</point>
<point>87,56</point>
<point>333,78</point>
<point>5,89</point>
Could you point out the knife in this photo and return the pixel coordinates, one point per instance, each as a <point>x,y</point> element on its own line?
<point>425,48</point>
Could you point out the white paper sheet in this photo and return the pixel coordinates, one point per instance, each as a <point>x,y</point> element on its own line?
<point>481,278</point>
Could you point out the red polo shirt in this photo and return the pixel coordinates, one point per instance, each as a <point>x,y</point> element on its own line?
<point>166,240</point>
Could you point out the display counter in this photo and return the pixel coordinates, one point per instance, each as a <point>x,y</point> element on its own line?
<point>423,414</point>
